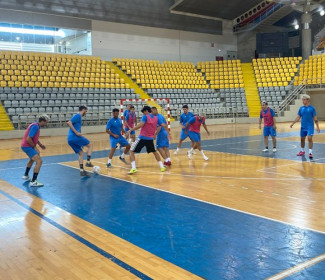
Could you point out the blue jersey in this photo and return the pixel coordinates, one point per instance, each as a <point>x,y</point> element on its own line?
<point>76,121</point>
<point>126,112</point>
<point>185,118</point>
<point>161,120</point>
<point>307,114</point>
<point>115,126</point>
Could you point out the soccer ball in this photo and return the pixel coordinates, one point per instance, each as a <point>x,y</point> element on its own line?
<point>96,169</point>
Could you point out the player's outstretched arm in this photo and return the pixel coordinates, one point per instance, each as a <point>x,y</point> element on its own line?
<point>297,119</point>
<point>206,129</point>
<point>259,123</point>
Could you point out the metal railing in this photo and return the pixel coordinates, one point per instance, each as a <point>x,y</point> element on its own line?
<point>290,98</point>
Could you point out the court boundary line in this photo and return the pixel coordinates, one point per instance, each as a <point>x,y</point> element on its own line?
<point>77,237</point>
<point>297,268</point>
<point>206,202</point>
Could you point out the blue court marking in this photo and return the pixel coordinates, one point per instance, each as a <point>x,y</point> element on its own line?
<point>79,238</point>
<point>210,241</point>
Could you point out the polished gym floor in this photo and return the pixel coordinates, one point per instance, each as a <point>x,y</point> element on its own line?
<point>243,214</point>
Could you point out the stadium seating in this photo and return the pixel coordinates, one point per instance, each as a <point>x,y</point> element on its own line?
<point>167,75</point>
<point>274,76</point>
<point>312,71</point>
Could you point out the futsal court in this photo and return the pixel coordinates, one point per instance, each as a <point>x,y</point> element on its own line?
<point>243,214</point>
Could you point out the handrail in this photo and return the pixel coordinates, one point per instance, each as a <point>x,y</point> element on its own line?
<point>292,96</point>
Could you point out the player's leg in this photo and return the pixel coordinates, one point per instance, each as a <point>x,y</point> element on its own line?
<point>163,154</point>
<point>124,143</point>
<point>38,160</point>
<point>303,135</point>
<point>182,137</point>
<point>28,168</point>
<point>110,156</point>
<point>135,148</point>
<point>266,133</point>
<point>132,136</point>
<point>310,146</point>
<point>166,149</point>
<point>89,152</point>
<point>158,159</point>
<point>198,144</point>
<point>274,143</point>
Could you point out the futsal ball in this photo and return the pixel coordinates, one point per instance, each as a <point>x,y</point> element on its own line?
<point>96,169</point>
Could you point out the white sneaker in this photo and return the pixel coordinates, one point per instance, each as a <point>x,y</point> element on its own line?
<point>176,152</point>
<point>274,150</point>
<point>36,184</point>
<point>193,152</point>
<point>205,158</point>
<point>26,178</point>
<point>189,155</point>
<point>265,150</point>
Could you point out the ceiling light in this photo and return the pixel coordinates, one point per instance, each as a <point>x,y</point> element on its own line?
<point>297,26</point>
<point>59,33</point>
<point>322,12</point>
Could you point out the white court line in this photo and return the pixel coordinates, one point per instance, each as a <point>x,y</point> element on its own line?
<point>221,177</point>
<point>297,268</point>
<point>19,167</point>
<point>206,202</point>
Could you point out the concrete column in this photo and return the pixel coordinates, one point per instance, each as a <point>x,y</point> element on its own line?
<point>306,34</point>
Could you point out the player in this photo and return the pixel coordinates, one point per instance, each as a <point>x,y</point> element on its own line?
<point>192,128</point>
<point>162,136</point>
<point>269,126</point>
<point>184,118</point>
<point>307,114</point>
<point>128,107</point>
<point>77,141</point>
<point>28,145</point>
<point>148,127</point>
<point>114,127</point>
<point>130,121</point>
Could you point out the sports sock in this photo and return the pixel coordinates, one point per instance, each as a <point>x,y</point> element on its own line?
<point>160,164</point>
<point>310,151</point>
<point>168,159</point>
<point>88,158</point>
<point>81,166</point>
<point>109,160</point>
<point>27,171</point>
<point>302,149</point>
<point>122,155</point>
<point>34,177</point>
<point>133,164</point>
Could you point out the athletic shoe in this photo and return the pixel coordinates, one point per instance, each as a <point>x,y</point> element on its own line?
<point>311,156</point>
<point>189,155</point>
<point>274,150</point>
<point>132,171</point>
<point>205,158</point>
<point>176,152</point>
<point>301,154</point>
<point>167,163</point>
<point>26,178</point>
<point>89,164</point>
<point>265,150</point>
<point>36,184</point>
<point>84,173</point>
<point>193,152</point>
<point>109,165</point>
<point>122,159</point>
<point>163,169</point>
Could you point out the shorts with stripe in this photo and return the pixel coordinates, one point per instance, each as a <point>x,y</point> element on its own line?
<point>140,143</point>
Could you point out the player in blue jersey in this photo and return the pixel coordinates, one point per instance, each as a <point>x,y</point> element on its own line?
<point>162,138</point>
<point>184,118</point>
<point>77,141</point>
<point>307,114</point>
<point>114,128</point>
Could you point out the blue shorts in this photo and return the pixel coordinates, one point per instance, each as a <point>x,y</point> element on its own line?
<point>183,135</point>
<point>306,131</point>
<point>194,136</point>
<point>127,129</point>
<point>162,141</point>
<point>78,143</point>
<point>121,140</point>
<point>29,151</point>
<point>269,131</point>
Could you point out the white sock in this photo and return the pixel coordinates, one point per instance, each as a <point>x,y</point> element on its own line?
<point>109,160</point>
<point>202,153</point>
<point>177,149</point>
<point>133,164</point>
<point>160,164</point>
<point>191,150</point>
<point>302,149</point>
<point>122,155</point>
<point>310,151</point>
<point>168,159</point>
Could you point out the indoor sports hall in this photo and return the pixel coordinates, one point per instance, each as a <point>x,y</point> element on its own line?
<point>249,205</point>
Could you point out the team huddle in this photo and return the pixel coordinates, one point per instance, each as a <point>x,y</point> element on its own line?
<point>152,126</point>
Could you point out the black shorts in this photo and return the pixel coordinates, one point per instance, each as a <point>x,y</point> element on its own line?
<point>140,143</point>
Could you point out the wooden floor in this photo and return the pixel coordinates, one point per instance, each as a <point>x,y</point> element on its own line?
<point>237,176</point>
